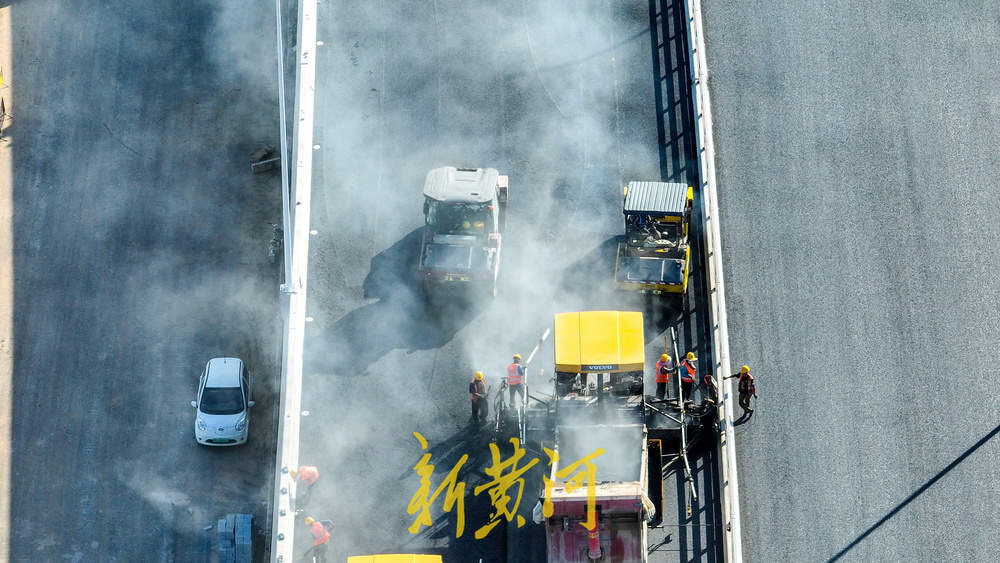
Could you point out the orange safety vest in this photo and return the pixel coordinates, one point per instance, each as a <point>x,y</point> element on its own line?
<point>746,385</point>
<point>320,534</point>
<point>514,374</point>
<point>663,372</point>
<point>308,474</point>
<point>690,370</point>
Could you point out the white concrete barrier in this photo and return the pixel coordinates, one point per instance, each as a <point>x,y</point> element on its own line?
<point>287,457</point>
<point>728,475</point>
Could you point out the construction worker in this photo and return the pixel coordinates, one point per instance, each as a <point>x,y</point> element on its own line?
<point>477,393</point>
<point>321,535</point>
<point>307,475</point>
<point>515,380</point>
<point>689,367</point>
<point>746,388</point>
<point>711,388</point>
<point>663,369</point>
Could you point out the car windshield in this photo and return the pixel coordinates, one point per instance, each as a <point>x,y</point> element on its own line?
<point>459,218</point>
<point>222,400</point>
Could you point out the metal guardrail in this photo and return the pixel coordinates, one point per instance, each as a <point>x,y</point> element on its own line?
<point>286,193</point>
<point>729,482</point>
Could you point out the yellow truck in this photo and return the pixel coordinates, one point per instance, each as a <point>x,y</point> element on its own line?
<point>395,558</point>
<point>654,256</point>
<point>599,403</point>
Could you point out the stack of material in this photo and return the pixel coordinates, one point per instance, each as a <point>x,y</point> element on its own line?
<point>244,541</point>
<point>225,533</point>
<point>234,534</point>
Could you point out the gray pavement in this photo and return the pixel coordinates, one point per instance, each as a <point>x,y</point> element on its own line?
<point>139,252</point>
<point>857,149</point>
<point>565,98</point>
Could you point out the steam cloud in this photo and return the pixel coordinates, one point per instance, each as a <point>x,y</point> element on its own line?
<point>559,96</point>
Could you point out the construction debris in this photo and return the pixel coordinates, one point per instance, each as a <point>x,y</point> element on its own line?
<point>264,159</point>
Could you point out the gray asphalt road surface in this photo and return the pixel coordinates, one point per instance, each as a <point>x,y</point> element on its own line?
<point>857,151</point>
<point>571,100</point>
<point>139,253</point>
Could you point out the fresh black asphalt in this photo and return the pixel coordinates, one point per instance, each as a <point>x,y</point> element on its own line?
<point>570,100</point>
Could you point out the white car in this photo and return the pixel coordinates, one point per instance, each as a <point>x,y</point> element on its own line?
<point>223,403</point>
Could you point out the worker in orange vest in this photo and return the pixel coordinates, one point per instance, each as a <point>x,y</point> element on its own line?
<point>689,367</point>
<point>515,380</point>
<point>663,369</point>
<point>307,475</point>
<point>746,388</point>
<point>321,534</point>
<point>477,394</point>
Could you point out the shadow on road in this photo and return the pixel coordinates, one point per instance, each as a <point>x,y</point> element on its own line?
<point>915,494</point>
<point>393,271</point>
<point>674,114</point>
<point>743,419</point>
<point>401,318</point>
<point>588,283</point>
<point>698,537</point>
<point>691,537</point>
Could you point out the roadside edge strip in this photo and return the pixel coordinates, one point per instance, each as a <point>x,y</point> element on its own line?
<point>702,107</point>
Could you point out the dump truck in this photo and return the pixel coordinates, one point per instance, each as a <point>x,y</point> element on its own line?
<point>464,217</point>
<point>654,256</point>
<point>598,405</point>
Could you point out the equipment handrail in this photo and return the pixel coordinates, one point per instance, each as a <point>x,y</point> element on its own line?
<point>690,492</point>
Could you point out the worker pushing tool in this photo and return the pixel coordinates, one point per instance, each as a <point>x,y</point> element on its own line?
<point>688,369</point>
<point>663,369</point>
<point>320,530</point>
<point>746,388</point>
<point>515,380</point>
<point>477,394</point>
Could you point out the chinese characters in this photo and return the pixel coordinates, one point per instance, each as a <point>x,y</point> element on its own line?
<point>505,487</point>
<point>422,500</point>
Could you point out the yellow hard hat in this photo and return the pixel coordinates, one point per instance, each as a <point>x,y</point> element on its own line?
<point>690,356</point>
<point>309,520</point>
<point>479,375</point>
<point>517,357</point>
<point>293,473</point>
<point>664,357</point>
<point>745,369</point>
